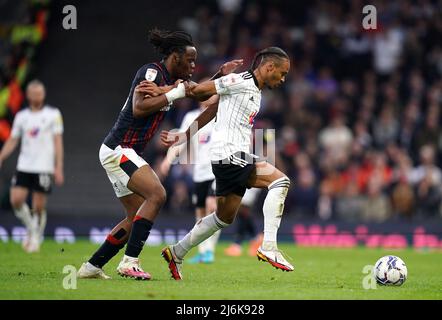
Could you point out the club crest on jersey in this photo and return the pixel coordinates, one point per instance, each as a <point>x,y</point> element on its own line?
<point>34,132</point>
<point>151,74</point>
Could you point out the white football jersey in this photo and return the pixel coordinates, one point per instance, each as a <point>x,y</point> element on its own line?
<point>36,130</point>
<point>200,147</point>
<point>239,103</point>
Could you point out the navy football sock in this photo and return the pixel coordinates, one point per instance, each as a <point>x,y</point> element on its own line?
<point>108,249</point>
<point>138,236</point>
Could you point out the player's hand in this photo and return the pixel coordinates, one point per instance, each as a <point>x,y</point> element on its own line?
<point>59,177</point>
<point>231,66</point>
<point>188,86</point>
<point>149,89</point>
<point>169,139</point>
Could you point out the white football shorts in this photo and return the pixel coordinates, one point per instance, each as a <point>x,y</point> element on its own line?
<point>120,164</point>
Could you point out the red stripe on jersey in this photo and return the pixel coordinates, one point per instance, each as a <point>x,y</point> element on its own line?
<point>133,141</point>
<point>153,128</point>
<point>126,138</point>
<point>137,218</point>
<point>124,159</point>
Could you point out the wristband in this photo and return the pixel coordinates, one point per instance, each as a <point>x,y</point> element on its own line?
<point>176,93</point>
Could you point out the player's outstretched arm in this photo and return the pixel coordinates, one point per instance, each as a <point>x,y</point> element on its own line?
<point>148,98</point>
<point>8,148</point>
<point>201,91</point>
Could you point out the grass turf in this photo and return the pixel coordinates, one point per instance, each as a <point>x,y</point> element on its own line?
<point>319,274</point>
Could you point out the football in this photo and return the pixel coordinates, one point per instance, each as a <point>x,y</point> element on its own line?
<point>390,270</point>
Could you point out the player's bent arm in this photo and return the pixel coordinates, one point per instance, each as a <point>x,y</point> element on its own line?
<point>201,91</point>
<point>8,148</point>
<point>142,106</point>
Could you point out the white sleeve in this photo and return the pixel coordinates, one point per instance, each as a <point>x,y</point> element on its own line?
<point>57,126</point>
<point>187,121</point>
<point>17,129</point>
<point>230,84</point>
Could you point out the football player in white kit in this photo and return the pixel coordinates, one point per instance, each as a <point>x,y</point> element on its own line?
<point>40,130</point>
<point>235,169</point>
<point>203,197</point>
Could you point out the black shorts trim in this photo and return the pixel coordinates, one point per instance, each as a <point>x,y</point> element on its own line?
<point>232,174</point>
<point>202,190</point>
<point>40,182</point>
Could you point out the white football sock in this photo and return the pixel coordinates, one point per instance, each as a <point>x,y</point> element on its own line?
<point>212,241</point>
<point>42,223</point>
<point>24,214</point>
<point>273,208</point>
<point>202,230</point>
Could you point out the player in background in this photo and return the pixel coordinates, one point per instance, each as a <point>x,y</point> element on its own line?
<point>135,183</point>
<point>245,226</point>
<point>39,128</point>
<point>235,169</point>
<point>203,194</point>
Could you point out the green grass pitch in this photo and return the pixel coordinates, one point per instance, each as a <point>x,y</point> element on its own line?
<point>319,274</point>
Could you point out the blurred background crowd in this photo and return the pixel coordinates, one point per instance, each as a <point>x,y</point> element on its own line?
<point>358,121</point>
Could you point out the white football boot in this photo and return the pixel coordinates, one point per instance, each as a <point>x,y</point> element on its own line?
<point>89,271</point>
<point>275,258</point>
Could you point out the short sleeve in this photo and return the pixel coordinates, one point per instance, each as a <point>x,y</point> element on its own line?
<point>230,84</point>
<point>17,129</point>
<point>57,126</point>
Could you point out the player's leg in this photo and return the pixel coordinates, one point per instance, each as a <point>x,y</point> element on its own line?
<point>115,240</point>
<point>227,207</point>
<point>145,183</point>
<point>17,197</point>
<point>39,201</point>
<point>198,199</point>
<point>267,176</point>
<point>211,242</point>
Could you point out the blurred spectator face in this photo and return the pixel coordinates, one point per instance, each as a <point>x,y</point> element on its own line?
<point>374,187</point>
<point>306,179</point>
<point>36,94</point>
<point>427,155</point>
<point>302,161</point>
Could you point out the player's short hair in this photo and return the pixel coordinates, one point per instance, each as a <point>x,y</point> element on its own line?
<point>167,42</point>
<point>35,83</point>
<point>270,53</point>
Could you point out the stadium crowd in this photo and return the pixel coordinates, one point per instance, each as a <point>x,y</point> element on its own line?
<point>358,122</point>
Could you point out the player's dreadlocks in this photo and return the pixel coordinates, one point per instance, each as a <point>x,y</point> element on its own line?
<point>167,42</point>
<point>269,53</point>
